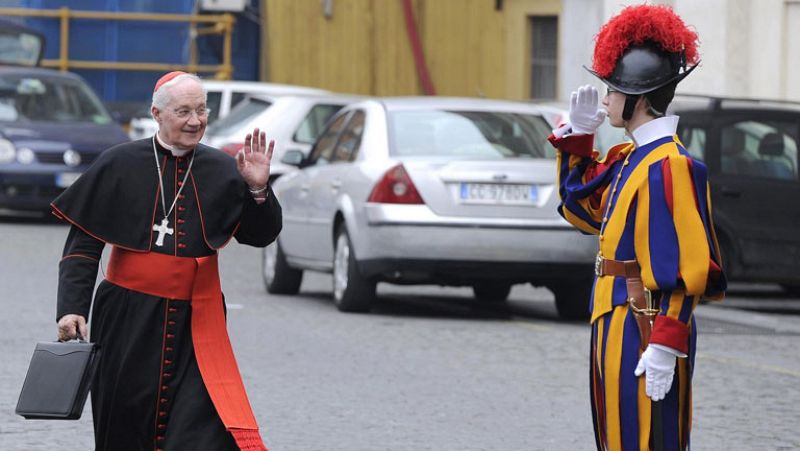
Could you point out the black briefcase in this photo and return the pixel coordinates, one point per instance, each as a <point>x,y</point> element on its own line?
<point>58,380</point>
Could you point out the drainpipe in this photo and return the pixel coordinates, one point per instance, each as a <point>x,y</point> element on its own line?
<point>416,49</point>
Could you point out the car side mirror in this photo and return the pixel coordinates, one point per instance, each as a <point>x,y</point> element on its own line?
<point>294,157</point>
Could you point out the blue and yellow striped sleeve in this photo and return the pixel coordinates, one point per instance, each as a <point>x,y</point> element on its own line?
<point>675,244</point>
<point>575,192</point>
<point>582,180</point>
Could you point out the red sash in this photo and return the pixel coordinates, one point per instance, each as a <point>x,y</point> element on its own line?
<point>197,279</point>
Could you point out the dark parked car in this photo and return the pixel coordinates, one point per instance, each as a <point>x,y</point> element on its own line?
<point>750,149</point>
<point>52,126</point>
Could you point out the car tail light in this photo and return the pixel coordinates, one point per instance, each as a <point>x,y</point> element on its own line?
<point>395,187</point>
<point>233,148</point>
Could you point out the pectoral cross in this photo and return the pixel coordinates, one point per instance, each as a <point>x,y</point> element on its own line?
<point>162,229</point>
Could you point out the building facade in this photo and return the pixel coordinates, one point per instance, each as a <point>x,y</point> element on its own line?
<point>747,48</point>
<point>513,49</point>
<point>476,48</point>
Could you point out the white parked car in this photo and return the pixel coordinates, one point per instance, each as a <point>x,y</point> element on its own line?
<point>293,121</point>
<point>425,190</point>
<point>223,95</point>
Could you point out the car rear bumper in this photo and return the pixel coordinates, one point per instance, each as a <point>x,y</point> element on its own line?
<point>467,272</point>
<point>410,237</point>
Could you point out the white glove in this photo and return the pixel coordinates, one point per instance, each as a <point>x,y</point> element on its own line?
<point>659,366</point>
<point>585,115</point>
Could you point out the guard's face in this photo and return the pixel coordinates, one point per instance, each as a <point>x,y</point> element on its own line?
<point>183,121</point>
<point>614,101</point>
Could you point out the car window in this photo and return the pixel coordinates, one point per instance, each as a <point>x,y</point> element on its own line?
<point>30,98</point>
<point>694,140</point>
<point>323,149</point>
<point>19,46</point>
<point>213,103</point>
<point>608,136</point>
<point>350,139</point>
<point>314,123</point>
<point>766,149</point>
<point>244,111</point>
<point>469,134</point>
<point>237,97</point>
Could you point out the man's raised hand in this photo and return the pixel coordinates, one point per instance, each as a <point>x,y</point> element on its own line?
<point>253,161</point>
<point>585,113</point>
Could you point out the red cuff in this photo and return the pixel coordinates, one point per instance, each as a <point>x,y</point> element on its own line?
<point>671,333</point>
<point>581,145</point>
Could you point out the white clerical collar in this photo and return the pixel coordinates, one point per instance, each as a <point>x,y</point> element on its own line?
<point>655,129</point>
<point>175,152</point>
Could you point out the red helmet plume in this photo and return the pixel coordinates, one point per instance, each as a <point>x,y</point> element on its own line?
<point>635,25</point>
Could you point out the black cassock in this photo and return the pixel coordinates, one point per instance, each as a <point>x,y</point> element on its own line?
<point>148,393</point>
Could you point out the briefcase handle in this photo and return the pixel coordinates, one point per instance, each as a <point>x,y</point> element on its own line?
<point>78,339</point>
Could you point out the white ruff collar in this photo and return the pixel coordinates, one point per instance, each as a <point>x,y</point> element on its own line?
<point>655,129</point>
<point>175,152</point>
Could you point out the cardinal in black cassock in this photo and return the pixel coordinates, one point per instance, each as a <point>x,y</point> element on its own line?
<point>167,378</point>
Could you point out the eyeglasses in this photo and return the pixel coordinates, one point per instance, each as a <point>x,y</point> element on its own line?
<point>184,113</point>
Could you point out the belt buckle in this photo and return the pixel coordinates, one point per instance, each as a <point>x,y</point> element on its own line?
<point>598,265</point>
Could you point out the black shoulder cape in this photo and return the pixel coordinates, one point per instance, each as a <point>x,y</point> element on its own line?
<point>116,199</point>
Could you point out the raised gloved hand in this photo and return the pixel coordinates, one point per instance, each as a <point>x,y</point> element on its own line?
<point>658,366</point>
<point>585,114</point>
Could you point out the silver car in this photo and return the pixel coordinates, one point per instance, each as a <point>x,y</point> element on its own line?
<point>425,190</point>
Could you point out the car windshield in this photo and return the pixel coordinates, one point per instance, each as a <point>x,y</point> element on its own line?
<point>245,110</point>
<point>27,98</point>
<point>469,134</point>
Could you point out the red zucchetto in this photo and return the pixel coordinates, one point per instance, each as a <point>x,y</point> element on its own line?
<point>167,78</point>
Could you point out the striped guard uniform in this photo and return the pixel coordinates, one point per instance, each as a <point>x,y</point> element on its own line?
<point>659,215</point>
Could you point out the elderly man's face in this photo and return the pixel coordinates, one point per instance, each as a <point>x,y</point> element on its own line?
<point>183,121</point>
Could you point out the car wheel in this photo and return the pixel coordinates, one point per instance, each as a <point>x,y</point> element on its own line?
<point>279,277</point>
<point>351,291</point>
<point>572,297</point>
<point>491,292</point>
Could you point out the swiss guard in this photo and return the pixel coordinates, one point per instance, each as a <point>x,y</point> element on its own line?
<point>648,201</point>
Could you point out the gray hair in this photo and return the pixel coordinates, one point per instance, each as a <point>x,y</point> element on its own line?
<point>162,96</point>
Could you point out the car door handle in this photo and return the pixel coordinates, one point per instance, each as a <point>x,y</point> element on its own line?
<point>336,184</point>
<point>305,188</point>
<point>731,192</point>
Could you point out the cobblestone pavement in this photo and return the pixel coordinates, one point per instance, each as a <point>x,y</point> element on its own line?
<point>426,370</point>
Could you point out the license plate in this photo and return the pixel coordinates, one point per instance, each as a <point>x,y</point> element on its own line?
<point>65,179</point>
<point>499,194</point>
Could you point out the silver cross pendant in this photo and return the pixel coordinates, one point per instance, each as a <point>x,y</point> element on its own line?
<point>162,229</point>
